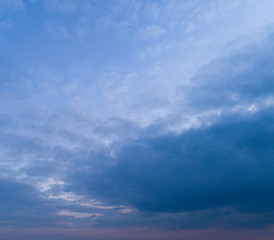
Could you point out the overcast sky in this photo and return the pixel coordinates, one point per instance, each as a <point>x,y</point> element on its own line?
<point>136,119</point>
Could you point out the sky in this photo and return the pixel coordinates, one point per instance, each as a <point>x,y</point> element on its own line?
<point>136,119</point>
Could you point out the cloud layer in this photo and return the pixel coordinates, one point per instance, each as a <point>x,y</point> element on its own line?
<point>136,117</point>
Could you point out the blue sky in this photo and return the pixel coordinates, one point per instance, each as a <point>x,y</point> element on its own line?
<point>136,119</point>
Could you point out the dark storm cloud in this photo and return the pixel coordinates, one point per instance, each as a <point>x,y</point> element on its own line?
<point>225,165</point>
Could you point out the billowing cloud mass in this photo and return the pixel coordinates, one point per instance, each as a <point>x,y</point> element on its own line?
<point>136,120</point>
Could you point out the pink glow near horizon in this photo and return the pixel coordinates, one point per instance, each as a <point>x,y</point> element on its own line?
<point>136,233</point>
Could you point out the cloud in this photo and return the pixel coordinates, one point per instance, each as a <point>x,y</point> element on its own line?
<point>61,6</point>
<point>243,78</point>
<point>56,31</point>
<point>11,5</point>
<point>142,143</point>
<point>22,206</point>
<point>151,31</point>
<point>6,24</point>
<point>227,163</point>
<point>7,10</point>
<point>223,163</point>
<point>216,173</point>
<point>78,214</point>
<point>70,7</point>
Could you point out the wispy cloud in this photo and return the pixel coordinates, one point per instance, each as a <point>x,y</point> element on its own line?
<point>78,214</point>
<point>151,31</point>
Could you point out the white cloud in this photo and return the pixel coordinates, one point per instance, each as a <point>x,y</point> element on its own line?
<point>6,24</point>
<point>78,215</point>
<point>151,32</point>
<point>57,31</point>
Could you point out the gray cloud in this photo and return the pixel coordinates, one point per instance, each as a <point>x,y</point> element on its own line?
<point>22,205</point>
<point>227,164</point>
<point>221,170</point>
